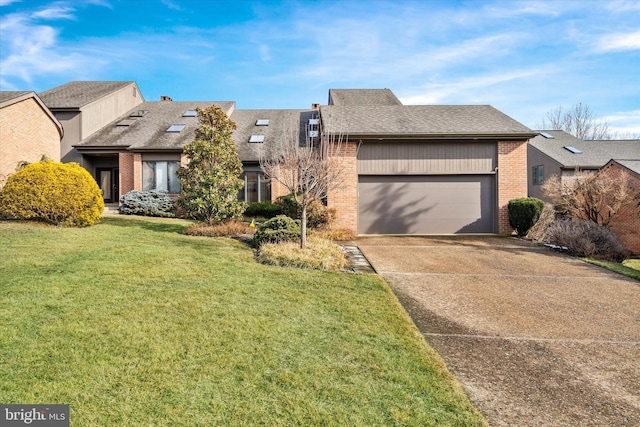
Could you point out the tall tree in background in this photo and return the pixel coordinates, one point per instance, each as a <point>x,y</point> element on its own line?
<point>211,180</point>
<point>579,121</point>
<point>308,170</point>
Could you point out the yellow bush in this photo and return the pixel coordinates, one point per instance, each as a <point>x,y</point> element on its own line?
<point>320,254</point>
<point>58,193</point>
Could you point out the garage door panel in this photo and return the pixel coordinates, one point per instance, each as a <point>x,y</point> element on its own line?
<point>425,204</point>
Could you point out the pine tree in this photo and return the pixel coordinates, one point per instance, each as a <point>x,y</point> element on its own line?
<point>211,180</point>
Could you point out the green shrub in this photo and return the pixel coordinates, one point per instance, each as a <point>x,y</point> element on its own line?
<point>53,192</point>
<point>319,254</point>
<point>586,239</point>
<point>263,210</point>
<point>278,229</point>
<point>318,215</point>
<point>524,213</point>
<point>148,203</point>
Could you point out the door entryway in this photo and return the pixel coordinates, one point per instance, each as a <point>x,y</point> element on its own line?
<point>109,182</point>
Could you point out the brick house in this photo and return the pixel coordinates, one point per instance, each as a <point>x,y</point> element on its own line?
<point>28,131</point>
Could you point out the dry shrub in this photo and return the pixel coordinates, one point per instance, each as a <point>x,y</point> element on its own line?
<point>319,254</point>
<point>336,234</point>
<point>235,229</point>
<point>586,239</point>
<point>539,230</point>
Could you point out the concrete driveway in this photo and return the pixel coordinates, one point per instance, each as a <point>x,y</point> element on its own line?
<point>536,338</point>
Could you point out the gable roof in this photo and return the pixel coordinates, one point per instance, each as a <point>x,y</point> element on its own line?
<point>8,98</point>
<point>595,153</point>
<point>362,97</point>
<point>424,121</point>
<point>149,132</point>
<point>77,94</point>
<point>631,165</point>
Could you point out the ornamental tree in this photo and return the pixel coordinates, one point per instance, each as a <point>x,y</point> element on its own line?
<point>211,179</point>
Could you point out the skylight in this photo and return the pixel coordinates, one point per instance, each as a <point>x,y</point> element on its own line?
<point>175,128</point>
<point>138,113</point>
<point>546,135</point>
<point>125,122</point>
<point>262,122</point>
<point>190,113</point>
<point>574,150</point>
<point>256,138</point>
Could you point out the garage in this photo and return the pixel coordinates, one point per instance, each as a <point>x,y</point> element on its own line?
<point>426,204</point>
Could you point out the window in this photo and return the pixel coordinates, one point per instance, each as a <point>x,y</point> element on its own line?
<point>256,138</point>
<point>257,188</point>
<point>175,128</point>
<point>538,175</point>
<point>262,122</point>
<point>139,113</point>
<point>160,176</point>
<point>574,150</point>
<point>190,113</point>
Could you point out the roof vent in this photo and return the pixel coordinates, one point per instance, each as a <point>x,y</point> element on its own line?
<point>574,150</point>
<point>262,122</point>
<point>256,138</point>
<point>546,135</point>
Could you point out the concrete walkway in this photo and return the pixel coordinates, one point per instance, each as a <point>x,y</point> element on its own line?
<point>535,337</point>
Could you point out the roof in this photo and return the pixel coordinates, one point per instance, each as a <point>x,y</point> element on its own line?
<point>12,97</point>
<point>362,97</point>
<point>632,165</point>
<point>75,95</point>
<point>283,125</point>
<point>149,131</point>
<point>595,153</point>
<point>440,121</point>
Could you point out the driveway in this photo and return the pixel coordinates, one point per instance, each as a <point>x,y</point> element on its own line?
<point>536,338</point>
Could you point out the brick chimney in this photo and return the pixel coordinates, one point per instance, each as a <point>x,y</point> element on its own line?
<point>165,98</point>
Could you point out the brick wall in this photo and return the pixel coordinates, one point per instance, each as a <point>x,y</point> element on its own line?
<point>125,163</point>
<point>344,198</point>
<point>512,178</point>
<point>626,225</point>
<point>26,134</point>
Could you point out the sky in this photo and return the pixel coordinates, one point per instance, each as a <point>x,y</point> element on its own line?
<point>526,58</point>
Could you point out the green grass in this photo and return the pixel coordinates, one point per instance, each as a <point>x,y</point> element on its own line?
<point>132,323</point>
<point>629,268</point>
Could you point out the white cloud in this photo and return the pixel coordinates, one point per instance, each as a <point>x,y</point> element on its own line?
<point>619,42</point>
<point>8,2</point>
<point>625,123</point>
<point>55,12</point>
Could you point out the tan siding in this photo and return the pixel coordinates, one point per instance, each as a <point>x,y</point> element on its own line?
<point>70,121</point>
<point>426,158</point>
<point>104,111</point>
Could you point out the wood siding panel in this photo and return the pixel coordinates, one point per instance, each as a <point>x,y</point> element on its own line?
<point>426,158</point>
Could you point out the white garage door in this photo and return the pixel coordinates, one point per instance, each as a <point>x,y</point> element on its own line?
<point>448,204</point>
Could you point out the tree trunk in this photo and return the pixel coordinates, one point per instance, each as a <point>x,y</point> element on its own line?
<point>303,226</point>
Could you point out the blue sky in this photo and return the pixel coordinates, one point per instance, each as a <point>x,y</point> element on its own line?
<point>523,57</point>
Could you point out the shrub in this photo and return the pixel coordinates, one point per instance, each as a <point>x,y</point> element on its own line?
<point>278,229</point>
<point>53,192</point>
<point>319,254</point>
<point>524,213</point>
<point>148,203</point>
<point>263,210</point>
<point>235,229</point>
<point>336,234</point>
<point>539,230</point>
<point>586,239</point>
<point>318,215</point>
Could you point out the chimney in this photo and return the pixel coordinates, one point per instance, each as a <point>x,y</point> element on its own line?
<point>165,98</point>
<point>315,106</point>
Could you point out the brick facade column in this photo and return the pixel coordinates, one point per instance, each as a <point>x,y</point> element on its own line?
<point>125,164</point>
<point>512,178</point>
<point>344,199</point>
<point>137,171</point>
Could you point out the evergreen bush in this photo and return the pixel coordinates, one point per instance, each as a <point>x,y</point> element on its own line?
<point>278,229</point>
<point>57,193</point>
<point>524,213</point>
<point>148,203</point>
<point>318,215</point>
<point>262,210</point>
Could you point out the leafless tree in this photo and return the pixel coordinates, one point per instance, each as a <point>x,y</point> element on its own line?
<point>306,161</point>
<point>596,197</point>
<point>579,121</point>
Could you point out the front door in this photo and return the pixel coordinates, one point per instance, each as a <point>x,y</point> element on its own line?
<point>109,182</point>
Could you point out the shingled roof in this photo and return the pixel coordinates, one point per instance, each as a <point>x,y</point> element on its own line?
<point>11,96</point>
<point>75,95</point>
<point>436,121</point>
<point>362,97</point>
<point>595,154</point>
<point>149,132</point>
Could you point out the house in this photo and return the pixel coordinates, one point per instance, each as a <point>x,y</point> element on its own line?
<point>556,152</point>
<point>424,169</point>
<point>28,131</point>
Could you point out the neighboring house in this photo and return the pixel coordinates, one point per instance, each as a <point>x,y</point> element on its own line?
<point>28,131</point>
<point>626,225</point>
<point>424,169</point>
<point>555,152</point>
<point>84,107</point>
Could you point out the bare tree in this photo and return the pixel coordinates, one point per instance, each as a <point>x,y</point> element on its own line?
<point>305,161</point>
<point>579,121</point>
<point>596,197</point>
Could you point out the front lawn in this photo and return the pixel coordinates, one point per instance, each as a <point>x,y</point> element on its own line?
<point>629,268</point>
<point>132,323</point>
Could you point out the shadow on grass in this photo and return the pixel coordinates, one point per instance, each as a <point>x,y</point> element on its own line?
<point>161,225</point>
